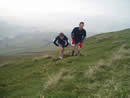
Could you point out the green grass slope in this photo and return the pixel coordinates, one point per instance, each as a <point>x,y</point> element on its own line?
<point>102,70</point>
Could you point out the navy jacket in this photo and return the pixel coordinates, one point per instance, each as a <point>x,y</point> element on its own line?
<point>78,35</point>
<point>63,43</point>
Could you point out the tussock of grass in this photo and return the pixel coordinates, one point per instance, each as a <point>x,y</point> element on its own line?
<point>4,64</point>
<point>111,86</point>
<point>102,37</point>
<point>111,83</point>
<point>120,55</point>
<point>115,58</point>
<point>68,77</point>
<point>92,70</point>
<point>36,59</point>
<point>54,79</point>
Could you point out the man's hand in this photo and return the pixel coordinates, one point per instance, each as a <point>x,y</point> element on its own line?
<point>73,41</point>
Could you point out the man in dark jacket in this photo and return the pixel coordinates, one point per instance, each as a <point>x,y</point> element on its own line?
<point>78,35</point>
<point>61,41</point>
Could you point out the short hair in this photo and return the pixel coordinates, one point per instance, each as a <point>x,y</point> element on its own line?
<point>61,34</point>
<point>81,22</point>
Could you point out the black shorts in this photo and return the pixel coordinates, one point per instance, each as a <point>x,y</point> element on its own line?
<point>63,45</point>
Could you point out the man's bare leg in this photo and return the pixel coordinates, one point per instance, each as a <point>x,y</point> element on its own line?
<point>79,50</point>
<point>61,49</point>
<point>73,50</point>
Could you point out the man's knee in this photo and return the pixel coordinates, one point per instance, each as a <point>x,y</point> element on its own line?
<point>62,49</point>
<point>80,44</point>
<point>79,48</point>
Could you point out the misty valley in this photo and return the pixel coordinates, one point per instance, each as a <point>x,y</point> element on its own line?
<point>26,42</point>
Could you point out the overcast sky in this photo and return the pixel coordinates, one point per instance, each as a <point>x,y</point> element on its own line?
<point>63,15</point>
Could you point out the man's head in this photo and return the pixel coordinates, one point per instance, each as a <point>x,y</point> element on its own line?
<point>61,35</point>
<point>81,25</point>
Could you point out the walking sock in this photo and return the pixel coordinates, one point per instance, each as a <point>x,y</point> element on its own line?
<point>72,53</point>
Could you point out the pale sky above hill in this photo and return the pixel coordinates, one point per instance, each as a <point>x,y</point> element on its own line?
<point>57,15</point>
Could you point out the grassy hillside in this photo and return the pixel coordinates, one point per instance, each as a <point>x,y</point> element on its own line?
<point>102,70</point>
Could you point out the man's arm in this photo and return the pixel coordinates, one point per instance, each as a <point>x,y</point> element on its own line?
<point>84,36</point>
<point>73,34</point>
<point>67,41</point>
<point>55,41</point>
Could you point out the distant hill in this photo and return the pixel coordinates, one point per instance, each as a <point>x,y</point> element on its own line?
<point>16,45</point>
<point>18,40</point>
<point>101,71</point>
